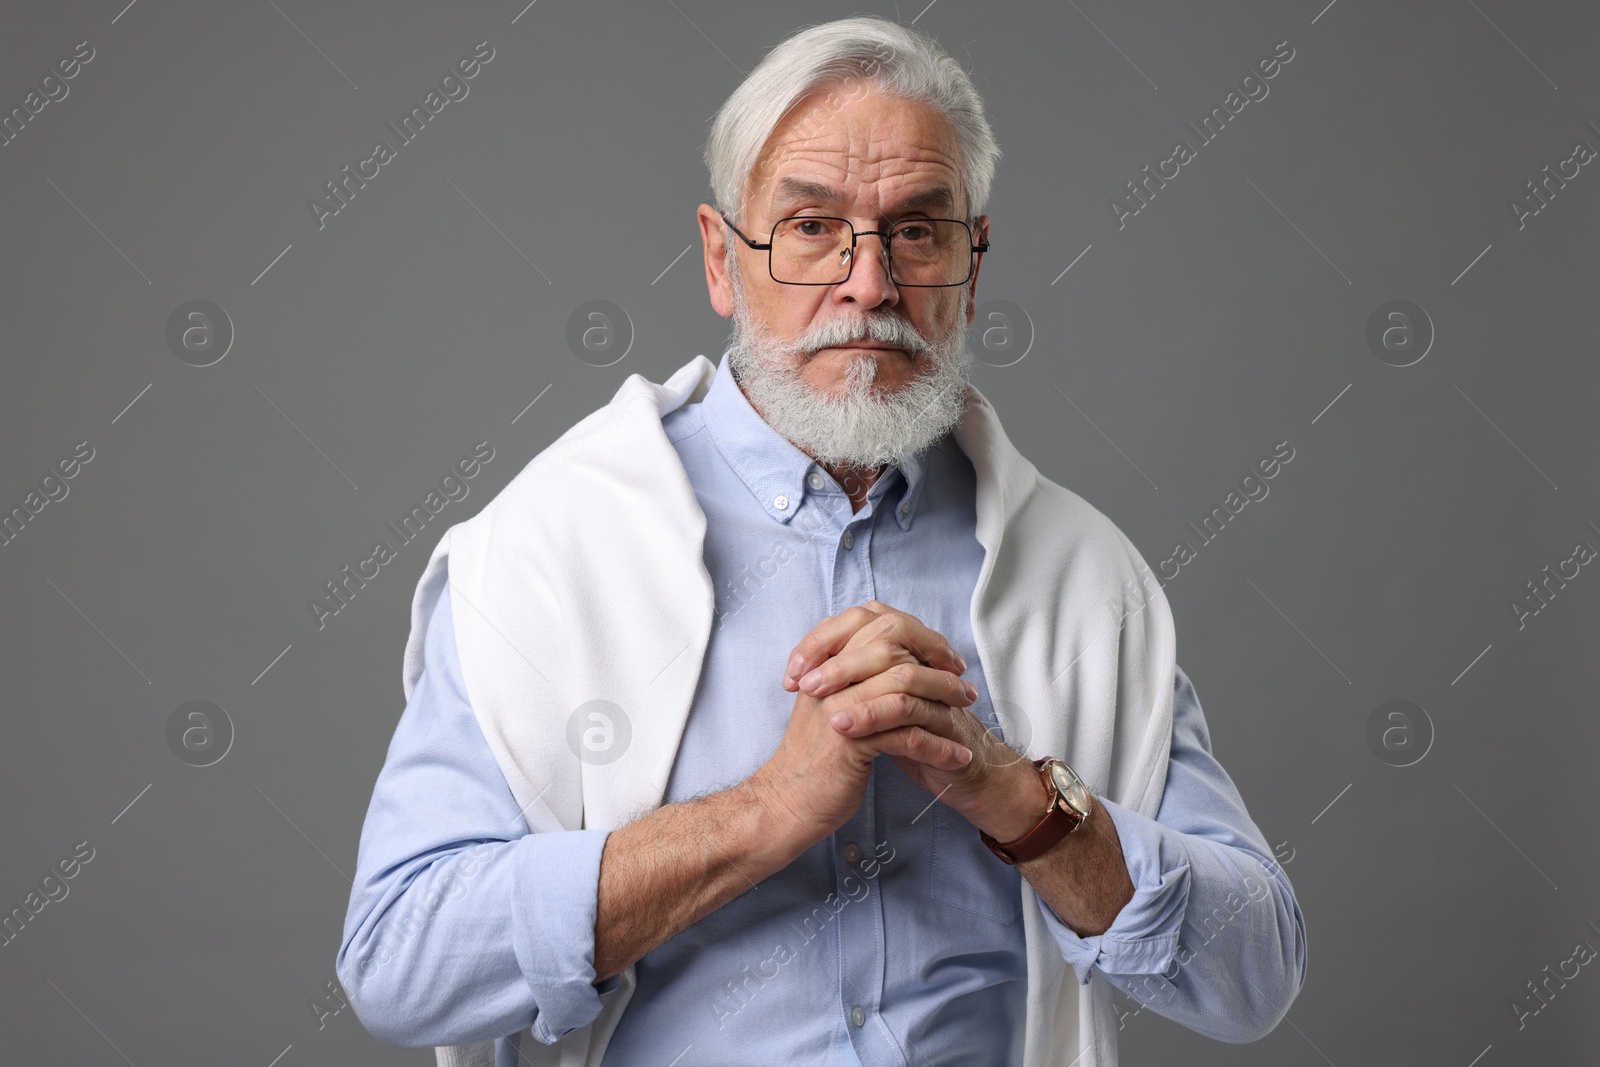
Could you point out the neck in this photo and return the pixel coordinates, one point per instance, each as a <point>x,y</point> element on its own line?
<point>855,481</point>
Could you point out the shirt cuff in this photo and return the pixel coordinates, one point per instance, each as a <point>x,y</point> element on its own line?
<point>556,899</point>
<point>1143,938</point>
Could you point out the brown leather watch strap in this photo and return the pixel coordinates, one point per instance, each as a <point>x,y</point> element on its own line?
<point>1058,822</point>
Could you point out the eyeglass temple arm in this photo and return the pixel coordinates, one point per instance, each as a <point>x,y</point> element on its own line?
<point>742,237</point>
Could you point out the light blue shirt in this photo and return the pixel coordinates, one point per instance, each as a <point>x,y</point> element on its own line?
<point>898,939</point>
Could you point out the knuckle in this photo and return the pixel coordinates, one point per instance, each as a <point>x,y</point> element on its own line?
<point>896,652</point>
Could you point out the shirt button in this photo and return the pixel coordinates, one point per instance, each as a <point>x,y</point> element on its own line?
<point>905,506</point>
<point>852,852</point>
<point>849,540</point>
<point>858,1016</point>
<point>780,502</point>
<point>814,480</point>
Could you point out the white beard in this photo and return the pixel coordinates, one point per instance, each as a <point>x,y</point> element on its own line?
<point>855,429</point>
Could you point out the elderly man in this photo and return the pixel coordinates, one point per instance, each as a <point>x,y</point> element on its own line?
<point>636,810</point>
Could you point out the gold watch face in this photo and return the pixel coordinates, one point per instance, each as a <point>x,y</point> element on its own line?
<point>1071,787</point>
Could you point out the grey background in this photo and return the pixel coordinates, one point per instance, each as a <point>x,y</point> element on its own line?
<point>1225,317</point>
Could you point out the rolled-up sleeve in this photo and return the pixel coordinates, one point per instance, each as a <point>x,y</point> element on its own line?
<point>462,925</point>
<point>1213,937</point>
<point>1144,935</point>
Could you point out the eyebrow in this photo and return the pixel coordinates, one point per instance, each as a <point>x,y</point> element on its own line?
<point>791,190</point>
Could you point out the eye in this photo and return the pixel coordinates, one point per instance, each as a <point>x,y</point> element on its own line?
<point>803,223</point>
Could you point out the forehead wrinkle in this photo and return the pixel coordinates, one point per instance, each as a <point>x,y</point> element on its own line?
<point>845,150</point>
<point>824,177</point>
<point>792,190</point>
<point>866,148</point>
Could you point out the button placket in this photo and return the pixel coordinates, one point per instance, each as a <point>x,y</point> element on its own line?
<point>861,926</point>
<point>847,579</point>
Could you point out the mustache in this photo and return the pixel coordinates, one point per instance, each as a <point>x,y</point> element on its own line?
<point>884,329</point>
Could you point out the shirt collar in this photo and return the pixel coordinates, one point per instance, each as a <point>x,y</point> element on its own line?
<point>777,472</point>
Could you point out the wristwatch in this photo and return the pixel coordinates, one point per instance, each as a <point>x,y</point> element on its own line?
<point>1070,804</point>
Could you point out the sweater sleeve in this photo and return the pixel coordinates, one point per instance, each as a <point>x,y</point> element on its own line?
<point>1213,937</point>
<point>462,925</point>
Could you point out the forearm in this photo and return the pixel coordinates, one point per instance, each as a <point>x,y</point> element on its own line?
<point>1083,877</point>
<point>664,872</point>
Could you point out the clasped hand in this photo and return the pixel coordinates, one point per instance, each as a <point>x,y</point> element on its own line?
<point>873,680</point>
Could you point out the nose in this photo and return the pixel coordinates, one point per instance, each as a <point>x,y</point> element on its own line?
<point>869,282</point>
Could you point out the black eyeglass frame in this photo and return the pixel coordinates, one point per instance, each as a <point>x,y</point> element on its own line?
<point>856,235</point>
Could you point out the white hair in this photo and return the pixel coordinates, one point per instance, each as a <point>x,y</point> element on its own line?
<point>902,61</point>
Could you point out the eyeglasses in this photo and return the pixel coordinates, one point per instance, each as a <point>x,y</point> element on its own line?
<point>819,250</point>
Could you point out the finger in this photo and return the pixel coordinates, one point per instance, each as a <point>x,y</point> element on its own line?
<point>915,743</point>
<point>857,663</point>
<point>835,632</point>
<point>913,679</point>
<point>904,695</point>
<point>922,642</point>
<point>826,638</point>
<point>927,644</point>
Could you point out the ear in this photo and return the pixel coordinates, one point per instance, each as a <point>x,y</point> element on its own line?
<point>718,284</point>
<point>980,234</point>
